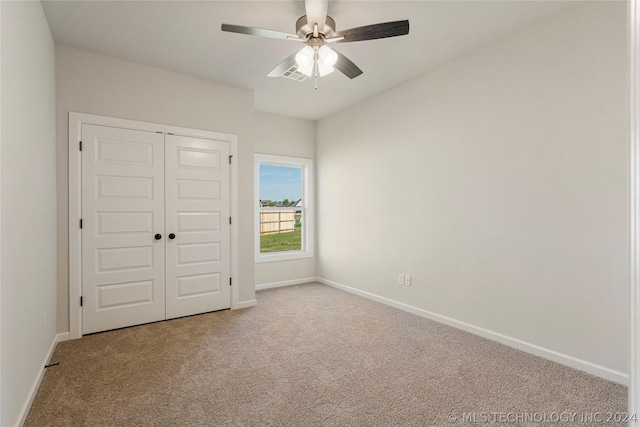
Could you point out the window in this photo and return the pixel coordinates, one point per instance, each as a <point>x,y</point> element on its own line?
<point>284,208</point>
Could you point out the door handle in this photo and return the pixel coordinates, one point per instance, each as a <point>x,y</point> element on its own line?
<point>172,236</point>
<point>158,236</point>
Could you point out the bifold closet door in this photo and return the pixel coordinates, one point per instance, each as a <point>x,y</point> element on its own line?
<point>197,225</point>
<point>123,241</point>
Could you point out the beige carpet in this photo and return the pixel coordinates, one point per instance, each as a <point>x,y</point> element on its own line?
<point>308,355</point>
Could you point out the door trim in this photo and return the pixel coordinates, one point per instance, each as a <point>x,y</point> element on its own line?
<point>76,120</point>
<point>633,17</point>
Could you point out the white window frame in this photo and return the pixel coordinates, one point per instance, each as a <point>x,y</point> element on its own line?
<point>307,196</point>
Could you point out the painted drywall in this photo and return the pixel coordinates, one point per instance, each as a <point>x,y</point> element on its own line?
<point>0,220</point>
<point>28,203</point>
<point>96,84</point>
<point>498,181</point>
<point>284,136</point>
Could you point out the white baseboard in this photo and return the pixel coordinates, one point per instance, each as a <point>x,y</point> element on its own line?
<point>286,283</point>
<point>36,384</point>
<point>245,304</point>
<point>573,362</point>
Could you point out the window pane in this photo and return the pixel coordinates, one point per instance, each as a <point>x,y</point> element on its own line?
<point>280,208</point>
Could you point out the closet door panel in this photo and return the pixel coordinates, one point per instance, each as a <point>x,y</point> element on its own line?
<point>197,213</point>
<point>122,210</point>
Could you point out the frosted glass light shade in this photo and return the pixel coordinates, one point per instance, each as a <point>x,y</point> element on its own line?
<point>323,69</point>
<point>304,58</point>
<point>306,70</point>
<point>327,56</point>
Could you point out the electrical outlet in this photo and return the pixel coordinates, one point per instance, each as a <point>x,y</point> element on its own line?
<point>407,280</point>
<point>44,319</point>
<point>400,279</point>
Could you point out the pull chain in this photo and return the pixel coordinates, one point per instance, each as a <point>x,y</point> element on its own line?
<point>315,66</point>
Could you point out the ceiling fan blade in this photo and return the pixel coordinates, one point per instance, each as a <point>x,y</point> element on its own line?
<point>375,31</point>
<point>316,12</point>
<point>283,66</point>
<point>346,67</point>
<point>260,32</point>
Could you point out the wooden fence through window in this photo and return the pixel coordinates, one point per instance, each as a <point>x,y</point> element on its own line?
<point>280,221</point>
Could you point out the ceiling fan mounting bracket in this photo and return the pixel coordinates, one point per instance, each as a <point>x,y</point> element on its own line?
<point>304,30</point>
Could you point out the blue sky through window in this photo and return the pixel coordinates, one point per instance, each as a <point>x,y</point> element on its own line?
<point>280,182</point>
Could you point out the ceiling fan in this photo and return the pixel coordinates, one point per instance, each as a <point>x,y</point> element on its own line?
<point>317,30</point>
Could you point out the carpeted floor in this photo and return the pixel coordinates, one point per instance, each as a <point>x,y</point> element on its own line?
<point>310,355</point>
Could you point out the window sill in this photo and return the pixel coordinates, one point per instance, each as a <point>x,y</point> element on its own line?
<point>283,256</point>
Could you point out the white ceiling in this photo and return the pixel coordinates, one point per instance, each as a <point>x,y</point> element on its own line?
<point>185,37</point>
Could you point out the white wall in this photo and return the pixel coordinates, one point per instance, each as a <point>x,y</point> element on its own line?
<point>0,218</point>
<point>284,136</point>
<point>498,181</point>
<point>28,202</point>
<point>101,85</point>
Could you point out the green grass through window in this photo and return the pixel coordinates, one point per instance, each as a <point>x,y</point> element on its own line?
<point>281,242</point>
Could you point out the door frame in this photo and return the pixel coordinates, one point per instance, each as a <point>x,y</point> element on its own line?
<point>633,17</point>
<point>76,120</point>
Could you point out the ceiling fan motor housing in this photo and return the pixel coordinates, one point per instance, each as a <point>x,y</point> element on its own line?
<point>304,30</point>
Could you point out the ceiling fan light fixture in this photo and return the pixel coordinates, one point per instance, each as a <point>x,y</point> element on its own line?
<point>304,58</point>
<point>327,56</point>
<point>306,70</point>
<point>323,69</point>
